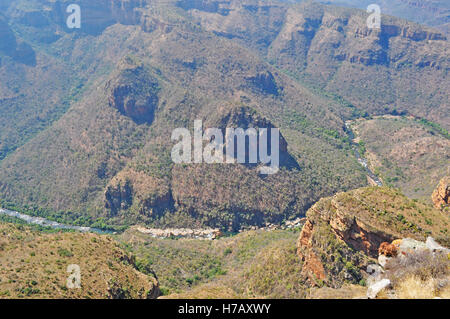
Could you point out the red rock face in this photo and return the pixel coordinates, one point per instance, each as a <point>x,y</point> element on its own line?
<point>312,264</point>
<point>360,238</point>
<point>441,195</point>
<point>344,233</point>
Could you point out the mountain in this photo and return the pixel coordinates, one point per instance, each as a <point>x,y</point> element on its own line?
<point>87,114</point>
<point>398,68</point>
<point>36,265</point>
<point>434,13</point>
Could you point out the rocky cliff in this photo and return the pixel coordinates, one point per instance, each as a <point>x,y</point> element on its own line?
<point>133,91</point>
<point>343,233</point>
<point>333,47</point>
<point>143,194</point>
<point>441,195</point>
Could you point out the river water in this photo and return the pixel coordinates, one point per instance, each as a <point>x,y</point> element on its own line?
<point>49,223</point>
<point>361,160</point>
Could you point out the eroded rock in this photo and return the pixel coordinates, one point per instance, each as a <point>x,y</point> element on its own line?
<point>441,195</point>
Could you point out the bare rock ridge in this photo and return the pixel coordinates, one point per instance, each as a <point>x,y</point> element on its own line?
<point>434,13</point>
<point>265,82</point>
<point>441,195</point>
<point>96,17</point>
<point>343,233</point>
<point>245,117</point>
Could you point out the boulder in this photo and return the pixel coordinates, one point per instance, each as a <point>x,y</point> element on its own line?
<point>388,250</point>
<point>374,290</point>
<point>382,260</point>
<point>434,246</point>
<point>410,245</point>
<point>375,272</point>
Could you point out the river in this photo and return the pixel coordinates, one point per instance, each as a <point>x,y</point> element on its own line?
<point>361,159</point>
<point>49,223</point>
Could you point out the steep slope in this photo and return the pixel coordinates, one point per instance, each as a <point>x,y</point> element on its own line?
<point>34,265</point>
<point>342,233</point>
<point>243,266</point>
<point>326,259</point>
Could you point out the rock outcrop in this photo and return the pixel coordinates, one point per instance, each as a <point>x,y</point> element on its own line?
<point>133,91</point>
<point>245,117</point>
<point>389,250</point>
<point>181,233</point>
<point>425,263</point>
<point>119,197</point>
<point>264,82</point>
<point>441,195</point>
<point>138,192</point>
<point>344,233</point>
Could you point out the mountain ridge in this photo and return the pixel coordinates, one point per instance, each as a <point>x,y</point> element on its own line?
<point>101,159</point>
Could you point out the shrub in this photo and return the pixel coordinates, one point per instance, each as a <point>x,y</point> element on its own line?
<point>64,252</point>
<point>418,269</point>
<point>415,288</point>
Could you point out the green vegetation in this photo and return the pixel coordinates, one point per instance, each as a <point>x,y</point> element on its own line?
<point>34,265</point>
<point>245,265</point>
<point>70,218</point>
<point>435,126</point>
<point>406,152</point>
